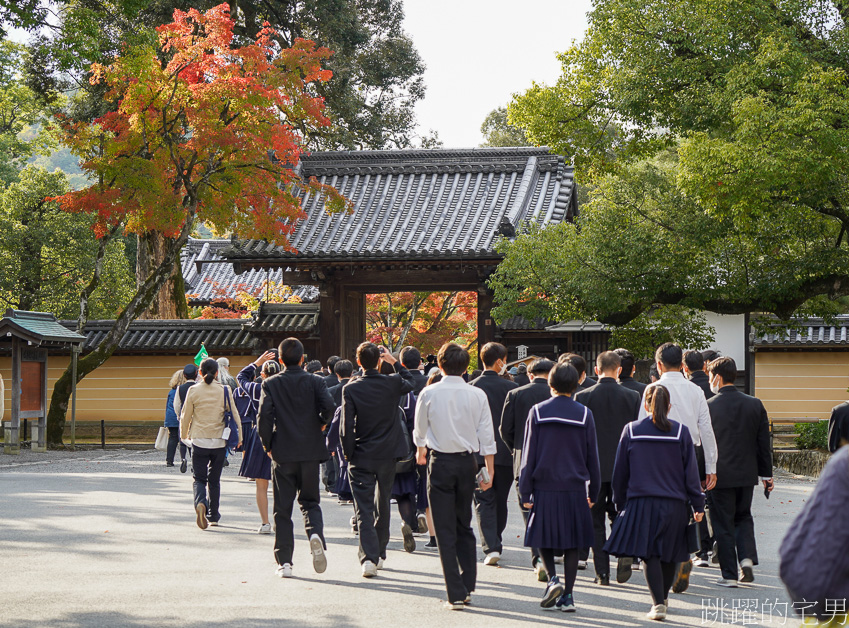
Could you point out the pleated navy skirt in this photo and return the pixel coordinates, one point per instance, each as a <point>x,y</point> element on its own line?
<point>651,526</point>
<point>255,462</point>
<point>560,520</point>
<point>405,484</point>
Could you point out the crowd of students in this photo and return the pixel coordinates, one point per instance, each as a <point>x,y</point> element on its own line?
<point>580,452</point>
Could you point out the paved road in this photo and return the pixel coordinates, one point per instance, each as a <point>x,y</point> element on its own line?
<point>109,539</point>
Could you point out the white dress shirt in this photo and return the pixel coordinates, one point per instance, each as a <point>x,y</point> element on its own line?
<point>453,417</point>
<point>689,408</point>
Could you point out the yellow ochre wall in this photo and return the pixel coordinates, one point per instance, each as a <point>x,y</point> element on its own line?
<point>801,384</point>
<point>126,388</point>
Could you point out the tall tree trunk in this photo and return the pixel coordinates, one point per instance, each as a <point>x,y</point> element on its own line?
<point>140,302</point>
<point>170,302</point>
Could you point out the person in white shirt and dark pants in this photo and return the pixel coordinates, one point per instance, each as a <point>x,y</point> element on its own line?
<point>689,408</point>
<point>453,420</point>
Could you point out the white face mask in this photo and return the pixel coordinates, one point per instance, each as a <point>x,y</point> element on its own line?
<point>714,386</point>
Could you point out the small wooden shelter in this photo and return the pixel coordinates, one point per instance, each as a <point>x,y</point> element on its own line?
<point>30,335</point>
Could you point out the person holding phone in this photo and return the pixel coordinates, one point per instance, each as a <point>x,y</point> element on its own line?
<point>453,421</point>
<point>559,462</point>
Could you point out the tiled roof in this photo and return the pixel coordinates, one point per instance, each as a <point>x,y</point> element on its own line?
<point>37,327</point>
<point>217,280</point>
<point>219,335</point>
<point>425,204</point>
<point>813,332</point>
<point>576,325</point>
<point>520,323</point>
<point>273,317</point>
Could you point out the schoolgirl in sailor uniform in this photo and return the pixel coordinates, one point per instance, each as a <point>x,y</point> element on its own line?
<point>256,465</point>
<point>559,462</point>
<point>404,487</point>
<point>655,483</point>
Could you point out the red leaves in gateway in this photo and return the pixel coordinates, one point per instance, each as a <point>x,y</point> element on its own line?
<point>195,126</point>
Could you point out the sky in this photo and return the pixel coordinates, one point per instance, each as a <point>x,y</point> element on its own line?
<point>479,53</point>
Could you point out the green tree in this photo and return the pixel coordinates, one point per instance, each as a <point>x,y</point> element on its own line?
<point>714,135</point>
<point>497,130</point>
<point>47,255</point>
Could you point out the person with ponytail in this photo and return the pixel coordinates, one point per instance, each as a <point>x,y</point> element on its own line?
<point>655,485</point>
<point>202,421</point>
<point>256,465</point>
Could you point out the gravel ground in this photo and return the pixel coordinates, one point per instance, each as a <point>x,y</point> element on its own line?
<point>108,538</point>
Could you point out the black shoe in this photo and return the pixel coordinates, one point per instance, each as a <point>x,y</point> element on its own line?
<point>431,544</point>
<point>226,462</point>
<point>603,580</point>
<point>183,465</point>
<point>169,464</point>
<point>682,581</point>
<point>623,569</point>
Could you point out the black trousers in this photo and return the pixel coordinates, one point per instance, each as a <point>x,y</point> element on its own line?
<point>705,525</point>
<point>491,509</point>
<point>206,471</point>
<point>450,490</point>
<point>371,485</point>
<point>173,439</point>
<point>602,511</point>
<point>733,527</point>
<point>295,480</point>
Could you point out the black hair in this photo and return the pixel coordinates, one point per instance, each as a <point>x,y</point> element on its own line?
<point>657,400</point>
<point>608,361</point>
<point>431,359</point>
<point>313,366</point>
<point>491,352</point>
<point>271,367</point>
<point>541,366</point>
<point>453,359</point>
<point>694,360</point>
<point>627,361</point>
<point>653,372</point>
<point>386,368</point>
<point>564,378</point>
<point>368,355</point>
<point>209,369</point>
<point>670,355</point>
<point>475,374</point>
<point>575,360</point>
<point>291,351</point>
<point>331,362</point>
<point>435,376</point>
<point>411,358</point>
<point>726,368</point>
<point>343,369</point>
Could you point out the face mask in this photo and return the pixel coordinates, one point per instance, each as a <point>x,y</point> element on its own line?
<point>714,386</point>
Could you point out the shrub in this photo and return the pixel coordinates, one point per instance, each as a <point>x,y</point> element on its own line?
<point>812,435</point>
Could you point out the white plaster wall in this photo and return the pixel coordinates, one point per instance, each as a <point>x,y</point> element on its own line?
<point>731,336</point>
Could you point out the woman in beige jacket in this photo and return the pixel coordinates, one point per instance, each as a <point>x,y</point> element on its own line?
<point>202,421</point>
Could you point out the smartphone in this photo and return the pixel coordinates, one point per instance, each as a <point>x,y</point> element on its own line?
<point>482,477</point>
<point>382,349</point>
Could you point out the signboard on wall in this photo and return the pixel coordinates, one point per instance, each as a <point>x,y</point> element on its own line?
<point>32,386</point>
<point>523,352</point>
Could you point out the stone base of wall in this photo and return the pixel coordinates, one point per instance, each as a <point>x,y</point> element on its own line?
<point>808,463</point>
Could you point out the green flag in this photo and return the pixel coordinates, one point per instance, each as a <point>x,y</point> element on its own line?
<point>201,356</point>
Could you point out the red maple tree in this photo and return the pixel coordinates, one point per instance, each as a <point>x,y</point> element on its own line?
<point>201,130</point>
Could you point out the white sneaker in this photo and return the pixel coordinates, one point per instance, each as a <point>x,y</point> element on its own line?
<point>380,563</point>
<point>582,564</point>
<point>492,558</point>
<point>729,584</point>
<point>284,571</point>
<point>701,562</point>
<point>265,528</point>
<point>558,560</point>
<point>657,612</point>
<point>319,560</point>
<point>369,569</point>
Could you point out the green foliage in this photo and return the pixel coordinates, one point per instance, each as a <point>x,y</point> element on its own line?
<point>497,131</point>
<point>812,435</point>
<point>48,255</point>
<point>713,135</point>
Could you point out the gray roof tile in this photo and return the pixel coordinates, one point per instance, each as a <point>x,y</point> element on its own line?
<point>813,332</point>
<point>414,204</point>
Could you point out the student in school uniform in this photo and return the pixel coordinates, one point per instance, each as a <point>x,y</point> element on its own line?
<point>559,457</point>
<point>655,483</point>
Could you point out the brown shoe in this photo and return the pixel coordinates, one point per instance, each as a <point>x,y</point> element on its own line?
<point>682,580</point>
<point>203,524</point>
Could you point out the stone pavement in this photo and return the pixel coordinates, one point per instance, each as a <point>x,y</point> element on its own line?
<point>109,539</point>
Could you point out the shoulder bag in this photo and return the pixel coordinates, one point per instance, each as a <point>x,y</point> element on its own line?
<point>232,437</point>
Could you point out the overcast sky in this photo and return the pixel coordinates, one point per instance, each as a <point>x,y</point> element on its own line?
<point>479,53</point>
